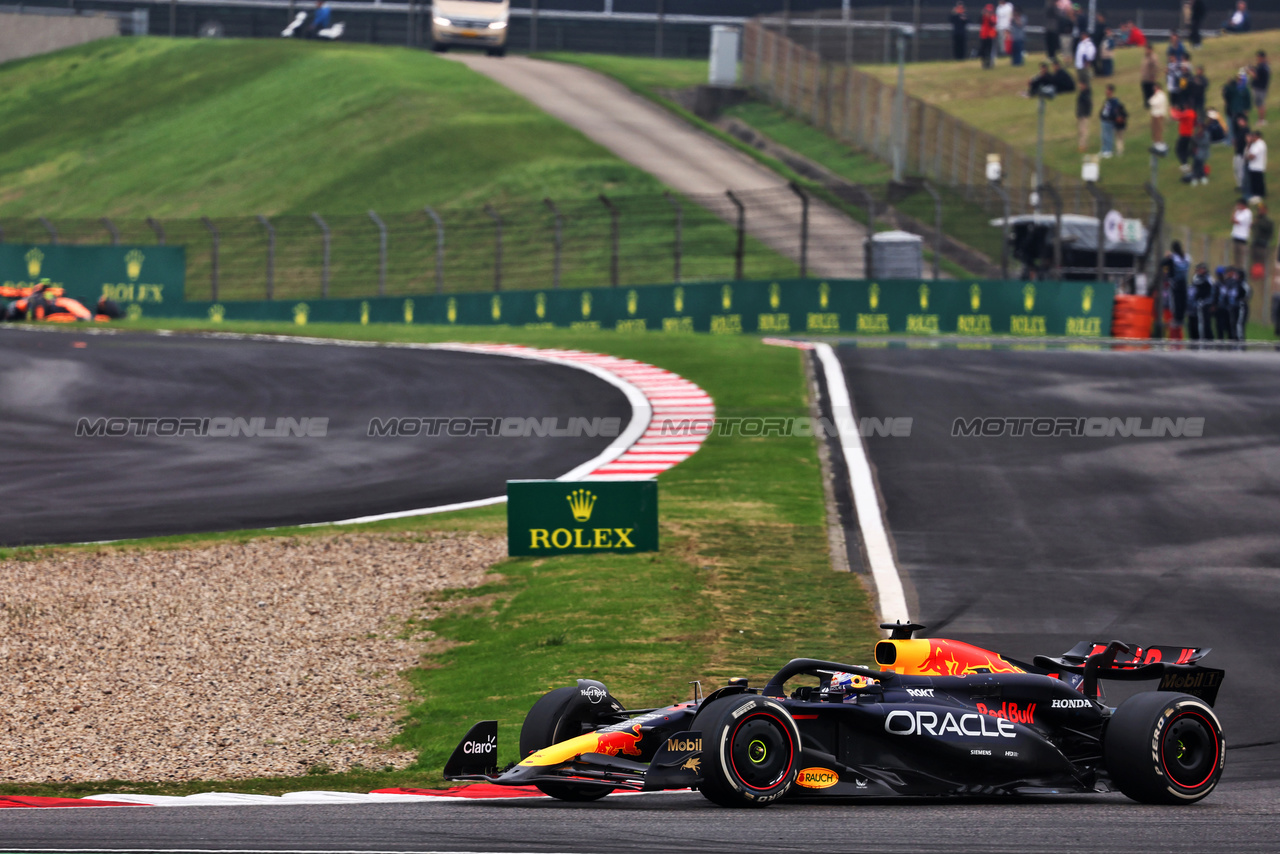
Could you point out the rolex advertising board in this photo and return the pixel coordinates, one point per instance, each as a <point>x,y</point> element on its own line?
<point>790,306</point>
<point>142,279</point>
<point>555,517</point>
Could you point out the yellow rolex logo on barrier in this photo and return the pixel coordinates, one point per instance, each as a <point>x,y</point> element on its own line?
<point>678,300</point>
<point>495,307</point>
<point>775,296</point>
<point>873,296</point>
<point>975,296</point>
<point>540,305</point>
<point>726,297</point>
<point>217,313</point>
<point>1086,299</point>
<point>300,313</point>
<point>1028,297</point>
<point>581,503</point>
<point>364,313</point>
<point>824,295</point>
<point>586,305</point>
<point>133,264</point>
<point>451,310</point>
<point>408,311</point>
<point>34,259</point>
<point>924,297</point>
<point>633,302</point>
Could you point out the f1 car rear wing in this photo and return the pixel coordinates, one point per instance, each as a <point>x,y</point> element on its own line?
<point>1175,667</point>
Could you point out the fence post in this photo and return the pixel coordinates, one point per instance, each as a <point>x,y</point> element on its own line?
<point>271,256</point>
<point>1004,229</point>
<point>937,226</point>
<point>679,233</point>
<point>613,250</point>
<point>324,269</point>
<point>1056,198</point>
<point>112,230</point>
<point>1100,209</point>
<point>555,278</point>
<point>382,252</point>
<point>804,228</point>
<point>657,41</point>
<point>435,217</point>
<point>53,232</point>
<point>157,228</point>
<point>213,274</point>
<point>1153,242</point>
<point>741,244</point>
<point>497,247</point>
<point>533,26</point>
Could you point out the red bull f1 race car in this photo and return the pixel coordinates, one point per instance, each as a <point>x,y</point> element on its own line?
<point>939,718</point>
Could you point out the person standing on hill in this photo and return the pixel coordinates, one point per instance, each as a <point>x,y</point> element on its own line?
<point>1236,96</point>
<point>1158,106</point>
<point>1017,38</point>
<point>1241,231</point>
<point>1150,73</point>
<point>1133,36</point>
<point>1086,53</point>
<point>1084,111</point>
<point>1052,42</point>
<point>1198,11</point>
<point>959,32</point>
<point>1004,23</point>
<point>1240,133</point>
<point>1261,81</point>
<point>1113,118</point>
<point>1198,91</point>
<point>1176,49</point>
<point>1186,119</point>
<point>1255,156</point>
<point>1201,146</point>
<point>987,36</point>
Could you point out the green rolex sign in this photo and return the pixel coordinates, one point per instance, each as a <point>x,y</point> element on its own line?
<point>142,279</point>
<point>554,517</point>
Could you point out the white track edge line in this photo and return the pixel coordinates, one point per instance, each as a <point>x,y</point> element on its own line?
<point>884,571</point>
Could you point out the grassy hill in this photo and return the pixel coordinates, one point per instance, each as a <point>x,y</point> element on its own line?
<point>992,100</point>
<point>159,127</point>
<point>180,129</point>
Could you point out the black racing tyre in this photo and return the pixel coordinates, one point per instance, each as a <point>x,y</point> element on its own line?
<point>1164,748</point>
<point>750,750</point>
<point>558,716</point>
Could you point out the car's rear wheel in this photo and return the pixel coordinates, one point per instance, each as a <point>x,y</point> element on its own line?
<point>751,750</point>
<point>1163,748</point>
<point>560,715</point>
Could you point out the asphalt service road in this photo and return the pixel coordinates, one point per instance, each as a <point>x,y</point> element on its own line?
<point>62,487</point>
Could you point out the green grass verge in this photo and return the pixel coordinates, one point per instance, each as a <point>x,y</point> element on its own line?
<point>992,100</point>
<point>742,583</point>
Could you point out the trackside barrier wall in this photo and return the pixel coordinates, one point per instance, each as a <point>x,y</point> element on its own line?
<point>782,306</point>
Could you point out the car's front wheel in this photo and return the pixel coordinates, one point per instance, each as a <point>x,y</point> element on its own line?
<point>751,750</point>
<point>1163,748</point>
<point>560,715</point>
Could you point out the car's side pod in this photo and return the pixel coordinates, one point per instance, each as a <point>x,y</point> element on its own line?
<point>477,754</point>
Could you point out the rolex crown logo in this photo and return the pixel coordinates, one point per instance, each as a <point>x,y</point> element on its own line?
<point>408,311</point>
<point>775,295</point>
<point>581,502</point>
<point>451,310</point>
<point>133,264</point>
<point>1029,296</point>
<point>975,296</point>
<point>34,259</point>
<point>586,305</point>
<point>1086,300</point>
<point>726,297</point>
<point>678,300</point>
<point>873,296</point>
<point>495,307</point>
<point>540,305</point>
<point>633,302</point>
<point>924,297</point>
<point>824,295</point>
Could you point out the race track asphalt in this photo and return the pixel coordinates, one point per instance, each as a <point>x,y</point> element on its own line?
<point>57,487</point>
<point>1239,818</point>
<point>1027,545</point>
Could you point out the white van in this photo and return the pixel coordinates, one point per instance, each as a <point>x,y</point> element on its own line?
<point>472,23</point>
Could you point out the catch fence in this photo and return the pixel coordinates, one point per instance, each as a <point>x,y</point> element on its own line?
<point>608,240</point>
